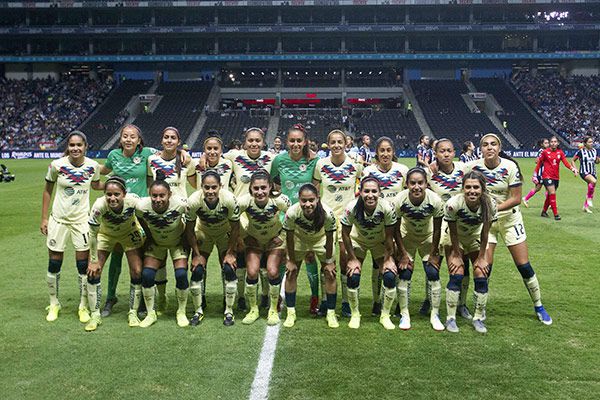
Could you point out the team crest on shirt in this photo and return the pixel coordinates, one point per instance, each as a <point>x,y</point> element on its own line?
<point>136,160</point>
<point>77,177</point>
<point>69,191</point>
<point>302,167</point>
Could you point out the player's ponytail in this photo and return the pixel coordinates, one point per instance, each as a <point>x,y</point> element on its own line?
<point>487,209</point>
<point>319,216</point>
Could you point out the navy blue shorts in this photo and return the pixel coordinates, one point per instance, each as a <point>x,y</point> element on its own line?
<point>582,175</point>
<point>550,182</point>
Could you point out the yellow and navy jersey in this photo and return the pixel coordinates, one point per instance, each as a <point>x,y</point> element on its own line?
<point>447,185</point>
<point>110,223</point>
<point>244,166</point>
<point>417,220</point>
<point>391,182</point>
<point>224,168</point>
<point>338,183</point>
<point>371,228</point>
<point>167,227</point>
<point>213,220</point>
<point>177,182</point>
<point>468,223</point>
<point>303,228</point>
<point>72,200</point>
<point>264,223</point>
<point>499,180</point>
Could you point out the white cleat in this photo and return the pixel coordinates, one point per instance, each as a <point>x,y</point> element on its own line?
<point>436,324</point>
<point>587,210</point>
<point>590,204</point>
<point>404,322</point>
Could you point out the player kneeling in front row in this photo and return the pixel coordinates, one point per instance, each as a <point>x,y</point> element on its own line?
<point>113,224</point>
<point>368,224</point>
<point>310,227</point>
<point>420,213</point>
<point>161,215</point>
<point>470,216</point>
<point>218,225</point>
<point>263,238</point>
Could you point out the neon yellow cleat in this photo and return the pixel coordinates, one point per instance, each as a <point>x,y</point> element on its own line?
<point>273,317</point>
<point>387,323</point>
<point>150,319</point>
<point>182,320</point>
<point>133,319</point>
<point>290,320</point>
<point>53,310</point>
<point>95,321</point>
<point>354,321</point>
<point>252,316</point>
<point>84,315</point>
<point>332,321</point>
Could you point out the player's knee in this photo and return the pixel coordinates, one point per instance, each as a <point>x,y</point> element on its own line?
<point>405,275</point>
<point>329,274</point>
<point>526,270</point>
<point>93,281</point>
<point>481,285</point>
<point>389,279</point>
<point>432,272</point>
<point>54,266</point>
<point>354,281</point>
<point>251,281</point>
<point>229,272</point>
<point>148,277</point>
<point>198,273</point>
<point>181,279</point>
<point>455,282</point>
<point>81,266</point>
<point>275,281</point>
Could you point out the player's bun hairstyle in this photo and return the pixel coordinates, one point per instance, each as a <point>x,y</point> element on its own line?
<point>262,174</point>
<point>301,128</point>
<point>486,200</point>
<point>382,140</point>
<point>139,132</point>
<point>501,154</point>
<point>319,216</point>
<point>359,208</point>
<point>178,151</point>
<point>160,181</point>
<point>70,135</point>
<point>213,135</point>
<point>211,173</point>
<point>115,180</point>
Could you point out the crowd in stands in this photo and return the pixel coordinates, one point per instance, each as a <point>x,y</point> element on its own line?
<point>570,105</point>
<point>33,112</point>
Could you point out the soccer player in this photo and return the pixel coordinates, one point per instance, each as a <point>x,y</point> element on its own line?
<point>113,224</point>
<point>169,162</point>
<point>423,154</point>
<point>469,217</point>
<point>368,224</point>
<point>551,159</point>
<point>310,227</point>
<point>161,216</point>
<point>447,182</point>
<point>588,158</point>
<point>73,174</point>
<point>537,178</point>
<point>391,176</point>
<point>129,162</point>
<point>503,179</point>
<point>337,175</point>
<point>289,171</point>
<point>213,153</point>
<point>468,152</point>
<point>218,215</point>
<point>419,212</point>
<point>277,146</point>
<point>263,237</point>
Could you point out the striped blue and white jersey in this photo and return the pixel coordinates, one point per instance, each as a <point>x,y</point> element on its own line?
<point>587,161</point>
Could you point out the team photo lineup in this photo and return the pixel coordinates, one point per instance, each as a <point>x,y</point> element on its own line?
<point>299,200</point>
<point>267,213</point>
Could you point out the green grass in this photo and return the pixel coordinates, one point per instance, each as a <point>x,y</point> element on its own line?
<point>518,358</point>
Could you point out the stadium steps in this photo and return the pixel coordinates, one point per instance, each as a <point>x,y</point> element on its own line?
<point>273,125</point>
<point>417,111</point>
<point>213,98</point>
<point>193,138</point>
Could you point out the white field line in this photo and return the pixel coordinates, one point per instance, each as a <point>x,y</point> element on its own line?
<point>262,377</point>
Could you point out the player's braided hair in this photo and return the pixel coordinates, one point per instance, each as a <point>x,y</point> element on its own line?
<point>319,216</point>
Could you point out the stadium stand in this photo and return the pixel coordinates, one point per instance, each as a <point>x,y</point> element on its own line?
<point>39,111</point>
<point>311,77</point>
<point>402,128</point>
<point>110,115</point>
<point>180,106</point>
<point>446,112</point>
<point>521,124</point>
<point>231,124</point>
<point>570,105</point>
<point>318,122</point>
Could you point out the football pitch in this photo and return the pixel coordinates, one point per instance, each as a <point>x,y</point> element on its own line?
<point>518,359</point>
